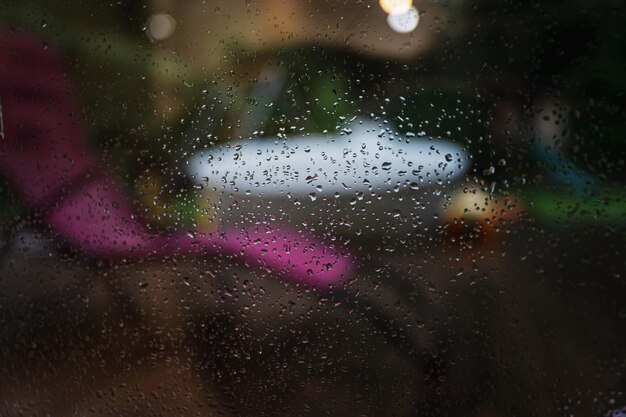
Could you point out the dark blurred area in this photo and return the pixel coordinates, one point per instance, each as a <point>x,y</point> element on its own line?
<point>498,293</point>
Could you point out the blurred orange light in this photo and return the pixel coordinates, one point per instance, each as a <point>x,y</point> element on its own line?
<point>396,6</point>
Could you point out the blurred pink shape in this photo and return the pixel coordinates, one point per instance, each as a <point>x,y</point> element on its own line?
<point>45,156</point>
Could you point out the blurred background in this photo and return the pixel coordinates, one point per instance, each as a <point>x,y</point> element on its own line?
<point>496,293</point>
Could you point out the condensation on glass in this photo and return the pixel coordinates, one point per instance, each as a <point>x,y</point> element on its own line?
<point>312,208</point>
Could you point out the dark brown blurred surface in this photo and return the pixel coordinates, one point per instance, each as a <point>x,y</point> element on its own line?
<point>526,325</point>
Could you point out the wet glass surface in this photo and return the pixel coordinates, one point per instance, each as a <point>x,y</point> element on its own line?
<point>316,208</point>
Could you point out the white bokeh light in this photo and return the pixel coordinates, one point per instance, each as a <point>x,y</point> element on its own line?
<point>160,26</point>
<point>404,22</point>
<point>326,164</point>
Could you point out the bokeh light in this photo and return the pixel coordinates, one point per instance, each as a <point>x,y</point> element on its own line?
<point>396,6</point>
<point>160,26</point>
<point>404,22</point>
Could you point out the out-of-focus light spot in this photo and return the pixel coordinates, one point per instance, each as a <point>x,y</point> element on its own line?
<point>313,168</point>
<point>405,22</point>
<point>396,6</point>
<point>160,26</point>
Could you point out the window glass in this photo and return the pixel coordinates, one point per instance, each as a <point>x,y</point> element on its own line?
<point>316,208</point>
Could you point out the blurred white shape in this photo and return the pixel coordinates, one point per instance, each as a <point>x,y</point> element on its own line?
<point>325,165</point>
<point>396,6</point>
<point>160,26</point>
<point>404,22</point>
